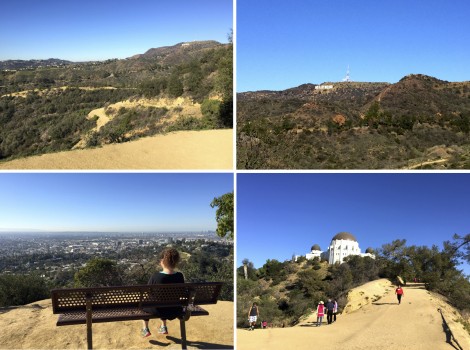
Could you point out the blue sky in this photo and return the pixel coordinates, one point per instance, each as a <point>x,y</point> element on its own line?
<point>119,202</point>
<point>282,214</point>
<point>97,30</point>
<point>282,44</point>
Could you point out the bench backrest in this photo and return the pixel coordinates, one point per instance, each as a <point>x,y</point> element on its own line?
<point>156,295</point>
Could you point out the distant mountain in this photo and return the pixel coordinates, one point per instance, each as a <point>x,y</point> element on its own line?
<point>337,125</point>
<point>165,56</point>
<point>30,64</point>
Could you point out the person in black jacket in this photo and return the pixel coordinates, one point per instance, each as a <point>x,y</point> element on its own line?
<point>169,258</point>
<point>329,306</point>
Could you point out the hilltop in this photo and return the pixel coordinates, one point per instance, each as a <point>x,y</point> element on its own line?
<point>374,321</point>
<point>350,125</point>
<point>56,106</point>
<point>33,326</point>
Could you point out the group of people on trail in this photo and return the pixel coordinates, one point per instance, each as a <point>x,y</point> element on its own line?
<point>330,308</point>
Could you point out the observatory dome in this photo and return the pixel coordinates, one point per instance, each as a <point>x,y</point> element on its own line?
<point>315,247</point>
<point>345,236</point>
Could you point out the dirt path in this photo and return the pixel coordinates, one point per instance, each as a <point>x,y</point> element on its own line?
<point>102,118</point>
<point>25,93</point>
<point>383,324</point>
<point>207,149</point>
<point>33,327</point>
<point>419,165</point>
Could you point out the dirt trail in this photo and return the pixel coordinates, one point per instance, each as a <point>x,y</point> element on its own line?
<point>383,324</point>
<point>25,93</point>
<point>33,327</point>
<point>207,149</point>
<point>426,163</point>
<point>177,107</point>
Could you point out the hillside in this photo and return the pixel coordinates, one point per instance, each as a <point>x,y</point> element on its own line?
<point>377,322</point>
<point>419,121</point>
<point>205,149</point>
<point>56,107</point>
<point>33,327</point>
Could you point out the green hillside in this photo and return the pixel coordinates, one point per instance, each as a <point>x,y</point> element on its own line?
<point>45,109</point>
<point>418,122</point>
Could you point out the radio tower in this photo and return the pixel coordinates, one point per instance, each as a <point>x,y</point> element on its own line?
<point>347,77</point>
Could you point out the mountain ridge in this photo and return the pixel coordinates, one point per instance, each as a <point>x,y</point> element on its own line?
<point>187,47</point>
<point>337,126</point>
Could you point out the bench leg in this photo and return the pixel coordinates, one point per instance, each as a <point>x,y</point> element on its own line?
<point>183,334</point>
<point>89,334</point>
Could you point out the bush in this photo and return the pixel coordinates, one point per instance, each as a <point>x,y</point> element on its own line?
<point>22,289</point>
<point>98,272</point>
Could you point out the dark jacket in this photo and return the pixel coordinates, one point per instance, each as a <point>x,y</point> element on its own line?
<point>330,306</point>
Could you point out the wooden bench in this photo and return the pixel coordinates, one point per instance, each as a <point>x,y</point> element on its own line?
<point>124,303</point>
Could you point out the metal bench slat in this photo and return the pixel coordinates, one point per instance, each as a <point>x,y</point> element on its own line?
<point>113,315</point>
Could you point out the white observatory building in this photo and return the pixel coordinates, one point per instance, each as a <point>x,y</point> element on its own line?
<point>342,245</point>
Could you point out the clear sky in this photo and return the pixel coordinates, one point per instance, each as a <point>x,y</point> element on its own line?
<point>282,214</point>
<point>101,29</point>
<point>282,44</point>
<point>119,202</point>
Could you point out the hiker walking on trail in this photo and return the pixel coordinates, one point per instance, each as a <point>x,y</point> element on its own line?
<point>253,315</point>
<point>399,292</point>
<point>335,310</point>
<point>320,313</point>
<point>329,311</point>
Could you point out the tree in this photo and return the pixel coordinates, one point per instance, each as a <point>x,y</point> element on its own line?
<point>210,109</point>
<point>175,85</point>
<point>224,214</point>
<point>98,272</point>
<point>460,242</point>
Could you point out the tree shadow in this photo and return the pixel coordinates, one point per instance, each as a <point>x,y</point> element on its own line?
<point>447,331</point>
<point>384,303</point>
<point>309,324</point>
<point>200,345</point>
<point>4,310</point>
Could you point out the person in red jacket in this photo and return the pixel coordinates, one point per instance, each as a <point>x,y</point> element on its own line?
<point>399,292</point>
<point>320,313</point>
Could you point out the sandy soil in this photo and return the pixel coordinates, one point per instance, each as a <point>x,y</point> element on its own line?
<point>207,149</point>
<point>33,327</point>
<point>177,107</point>
<point>381,324</point>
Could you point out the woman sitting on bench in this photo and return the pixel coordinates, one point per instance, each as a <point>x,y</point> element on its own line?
<point>169,258</point>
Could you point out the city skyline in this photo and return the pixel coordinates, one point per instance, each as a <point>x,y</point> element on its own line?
<point>281,215</point>
<point>111,202</point>
<point>100,30</point>
<point>305,41</point>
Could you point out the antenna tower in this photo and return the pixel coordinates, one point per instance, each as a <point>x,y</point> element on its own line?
<point>347,77</point>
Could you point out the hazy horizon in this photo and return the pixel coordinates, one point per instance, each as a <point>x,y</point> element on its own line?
<point>100,60</point>
<point>111,202</point>
<point>96,31</point>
